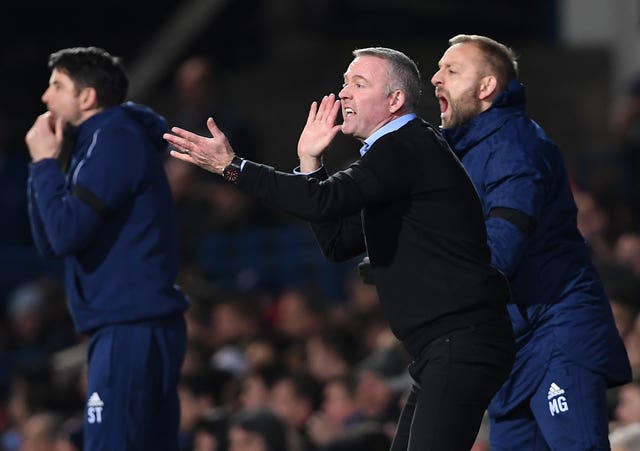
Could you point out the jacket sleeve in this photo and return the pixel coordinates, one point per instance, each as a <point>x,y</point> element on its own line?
<point>339,239</point>
<point>37,227</point>
<point>332,204</point>
<point>342,239</point>
<point>514,182</point>
<point>507,244</point>
<point>71,217</point>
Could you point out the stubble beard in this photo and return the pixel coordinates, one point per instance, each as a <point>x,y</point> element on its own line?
<point>463,109</point>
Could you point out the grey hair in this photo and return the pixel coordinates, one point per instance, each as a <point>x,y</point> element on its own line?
<point>403,73</point>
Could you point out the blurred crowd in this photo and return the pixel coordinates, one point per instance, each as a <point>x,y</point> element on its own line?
<point>286,366</point>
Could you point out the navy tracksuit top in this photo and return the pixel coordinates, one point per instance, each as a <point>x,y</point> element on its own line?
<point>558,301</point>
<point>109,214</point>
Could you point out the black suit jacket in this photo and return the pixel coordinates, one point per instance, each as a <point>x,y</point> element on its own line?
<point>411,205</point>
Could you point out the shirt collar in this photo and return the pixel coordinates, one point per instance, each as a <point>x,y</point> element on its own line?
<point>386,128</point>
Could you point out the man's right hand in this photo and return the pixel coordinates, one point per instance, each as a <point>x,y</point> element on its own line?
<point>44,138</point>
<point>318,133</point>
<point>212,154</point>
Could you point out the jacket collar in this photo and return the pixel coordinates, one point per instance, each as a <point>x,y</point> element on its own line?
<point>508,103</point>
<point>86,129</point>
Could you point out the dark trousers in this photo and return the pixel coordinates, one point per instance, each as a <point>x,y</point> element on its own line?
<point>132,397</point>
<point>455,377</point>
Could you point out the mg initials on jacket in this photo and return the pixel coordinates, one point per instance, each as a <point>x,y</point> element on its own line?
<point>557,403</point>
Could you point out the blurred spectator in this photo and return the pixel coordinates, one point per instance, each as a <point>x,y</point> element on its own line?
<point>594,224</point>
<point>625,438</point>
<point>235,320</point>
<point>373,330</point>
<point>299,312</point>
<point>294,398</point>
<point>257,430</point>
<point>632,345</point>
<point>258,383</point>
<point>339,411</point>
<point>332,352</point>
<point>628,409</point>
<point>24,334</point>
<point>203,203</point>
<point>382,382</point>
<point>32,391</point>
<point>361,297</point>
<point>199,94</point>
<point>201,394</point>
<point>40,432</point>
<point>196,358</point>
<point>624,314</point>
<point>262,350</point>
<point>70,435</point>
<point>626,132</point>
<point>210,433</point>
<point>37,324</point>
<point>627,252</point>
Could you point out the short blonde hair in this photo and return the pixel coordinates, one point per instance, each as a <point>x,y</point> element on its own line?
<point>502,61</point>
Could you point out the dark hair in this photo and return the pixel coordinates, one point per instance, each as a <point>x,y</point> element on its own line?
<point>206,382</point>
<point>269,373</point>
<point>96,68</point>
<point>264,423</point>
<point>305,386</point>
<point>344,342</point>
<point>403,73</point>
<point>500,58</point>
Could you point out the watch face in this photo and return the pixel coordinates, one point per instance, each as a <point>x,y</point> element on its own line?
<point>231,173</point>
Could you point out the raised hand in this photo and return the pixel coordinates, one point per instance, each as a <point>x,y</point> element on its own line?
<point>44,138</point>
<point>212,154</point>
<point>318,132</point>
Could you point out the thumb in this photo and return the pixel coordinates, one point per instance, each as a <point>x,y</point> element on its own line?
<point>213,128</point>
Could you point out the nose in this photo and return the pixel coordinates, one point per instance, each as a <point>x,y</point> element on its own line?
<point>44,96</point>
<point>344,93</point>
<point>436,80</point>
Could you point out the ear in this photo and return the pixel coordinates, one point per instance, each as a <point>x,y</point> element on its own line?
<point>88,98</point>
<point>396,101</point>
<point>488,86</point>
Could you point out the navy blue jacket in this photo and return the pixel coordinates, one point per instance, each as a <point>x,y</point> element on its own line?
<point>110,215</point>
<point>558,301</point>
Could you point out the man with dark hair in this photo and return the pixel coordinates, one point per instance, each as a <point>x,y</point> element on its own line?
<point>568,348</point>
<point>257,430</point>
<point>99,198</point>
<point>409,203</point>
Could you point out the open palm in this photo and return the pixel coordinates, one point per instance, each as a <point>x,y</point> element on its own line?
<point>320,128</point>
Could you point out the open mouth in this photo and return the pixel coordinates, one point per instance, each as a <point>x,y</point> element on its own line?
<point>444,104</point>
<point>348,112</point>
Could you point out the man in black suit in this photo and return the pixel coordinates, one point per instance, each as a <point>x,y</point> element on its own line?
<point>409,203</point>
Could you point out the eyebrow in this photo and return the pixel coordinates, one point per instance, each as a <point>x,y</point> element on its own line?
<point>356,77</point>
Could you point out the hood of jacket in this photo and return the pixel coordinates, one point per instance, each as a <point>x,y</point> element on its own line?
<point>508,103</point>
<point>154,124</point>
